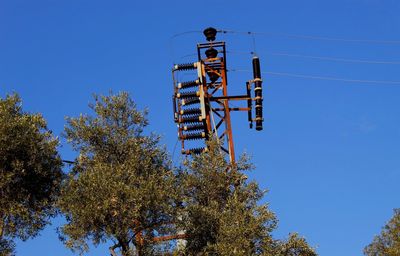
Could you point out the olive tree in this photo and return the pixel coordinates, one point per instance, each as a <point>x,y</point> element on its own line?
<point>30,173</point>
<point>121,188</point>
<point>223,214</point>
<point>387,243</point>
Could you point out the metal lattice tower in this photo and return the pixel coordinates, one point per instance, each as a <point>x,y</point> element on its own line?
<point>201,106</point>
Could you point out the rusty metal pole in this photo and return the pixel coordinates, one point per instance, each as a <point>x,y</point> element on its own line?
<point>227,116</point>
<point>206,111</point>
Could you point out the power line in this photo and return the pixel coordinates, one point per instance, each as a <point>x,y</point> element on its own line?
<point>322,58</point>
<point>311,37</point>
<point>322,77</point>
<point>327,58</point>
<point>184,33</point>
<point>189,55</point>
<point>171,42</point>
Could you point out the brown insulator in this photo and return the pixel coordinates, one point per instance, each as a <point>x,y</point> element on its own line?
<point>193,136</point>
<point>190,101</point>
<point>189,119</point>
<point>184,85</point>
<point>258,93</point>
<point>185,95</point>
<point>190,111</point>
<point>210,33</point>
<point>185,66</point>
<point>195,151</point>
<point>213,76</point>
<point>211,53</point>
<point>193,127</point>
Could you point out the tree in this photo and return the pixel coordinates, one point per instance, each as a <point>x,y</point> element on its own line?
<point>121,187</point>
<point>294,246</point>
<point>222,214</point>
<point>388,242</point>
<point>30,173</point>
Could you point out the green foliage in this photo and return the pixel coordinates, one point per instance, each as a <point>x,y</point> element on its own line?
<point>30,173</point>
<point>122,187</point>
<point>388,242</point>
<point>222,215</point>
<point>294,246</point>
<point>7,247</point>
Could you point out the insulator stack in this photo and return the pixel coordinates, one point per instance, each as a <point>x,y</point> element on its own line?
<point>189,119</point>
<point>193,136</point>
<point>249,105</point>
<point>185,95</point>
<point>190,101</point>
<point>185,66</point>
<point>213,76</point>
<point>189,84</point>
<point>193,127</point>
<point>190,111</point>
<point>211,52</point>
<point>258,93</point>
<point>210,33</point>
<point>195,151</point>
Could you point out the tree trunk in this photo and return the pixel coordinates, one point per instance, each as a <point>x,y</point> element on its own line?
<point>139,249</point>
<point>2,224</point>
<point>123,243</point>
<point>125,249</point>
<point>112,251</point>
<point>139,244</point>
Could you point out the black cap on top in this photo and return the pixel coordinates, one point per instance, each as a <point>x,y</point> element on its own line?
<point>211,52</point>
<point>210,33</point>
<point>213,76</point>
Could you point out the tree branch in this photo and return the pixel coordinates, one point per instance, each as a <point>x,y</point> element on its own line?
<point>112,248</point>
<point>168,238</point>
<point>2,225</point>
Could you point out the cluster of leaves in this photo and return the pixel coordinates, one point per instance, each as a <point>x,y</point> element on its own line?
<point>388,242</point>
<point>122,186</point>
<point>30,173</point>
<point>223,215</point>
<point>294,246</point>
<point>7,247</point>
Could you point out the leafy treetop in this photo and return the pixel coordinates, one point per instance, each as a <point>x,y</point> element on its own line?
<point>388,242</point>
<point>30,173</point>
<point>121,187</point>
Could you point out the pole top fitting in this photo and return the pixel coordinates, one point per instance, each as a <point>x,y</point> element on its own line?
<point>210,33</point>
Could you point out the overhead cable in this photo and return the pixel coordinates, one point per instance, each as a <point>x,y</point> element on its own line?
<point>171,42</point>
<point>322,77</point>
<point>311,37</point>
<point>321,57</point>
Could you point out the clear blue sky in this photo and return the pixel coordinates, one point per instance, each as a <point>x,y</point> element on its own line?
<point>329,153</point>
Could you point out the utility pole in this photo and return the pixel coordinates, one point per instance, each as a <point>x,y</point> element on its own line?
<point>202,106</point>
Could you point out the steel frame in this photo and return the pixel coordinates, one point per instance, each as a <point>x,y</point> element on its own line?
<point>212,117</point>
<point>213,98</point>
